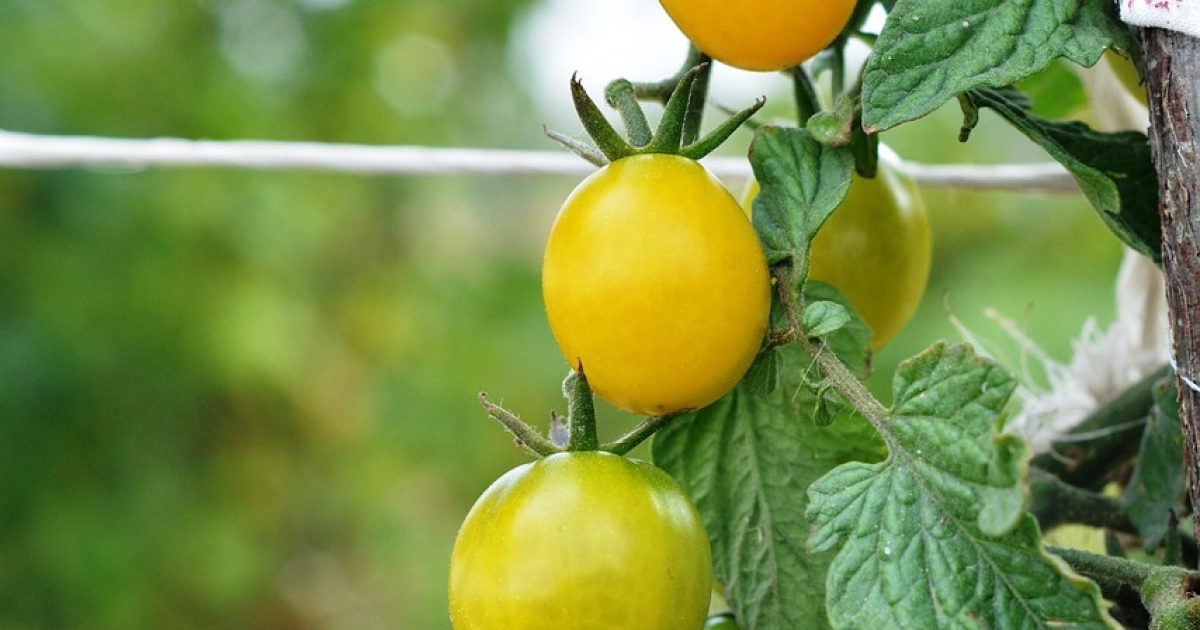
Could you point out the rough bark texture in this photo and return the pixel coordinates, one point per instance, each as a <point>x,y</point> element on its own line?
<point>1173,81</point>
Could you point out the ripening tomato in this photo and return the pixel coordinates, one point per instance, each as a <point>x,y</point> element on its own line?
<point>585,541</point>
<point>760,34</point>
<point>655,282</point>
<point>875,249</point>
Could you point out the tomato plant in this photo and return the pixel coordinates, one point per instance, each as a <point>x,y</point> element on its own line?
<point>764,35</point>
<point>655,283</point>
<point>584,540</point>
<point>875,249</point>
<point>659,291</point>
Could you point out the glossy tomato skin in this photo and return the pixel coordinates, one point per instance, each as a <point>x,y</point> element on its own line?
<point>655,282</point>
<point>875,249</point>
<point>585,541</point>
<point>760,34</point>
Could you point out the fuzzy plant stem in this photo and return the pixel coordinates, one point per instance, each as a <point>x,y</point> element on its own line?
<point>1055,503</point>
<point>638,434</point>
<point>1088,463</point>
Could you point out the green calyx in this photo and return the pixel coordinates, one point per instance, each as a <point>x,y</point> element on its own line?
<point>581,413</point>
<point>676,128</point>
<point>579,434</point>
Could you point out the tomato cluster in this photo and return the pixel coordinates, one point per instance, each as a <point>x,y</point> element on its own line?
<point>656,287</point>
<point>658,295</point>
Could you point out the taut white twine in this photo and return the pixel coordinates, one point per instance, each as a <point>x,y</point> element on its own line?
<point>33,151</point>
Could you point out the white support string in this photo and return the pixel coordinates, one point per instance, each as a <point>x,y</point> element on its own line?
<point>1190,382</point>
<point>33,151</point>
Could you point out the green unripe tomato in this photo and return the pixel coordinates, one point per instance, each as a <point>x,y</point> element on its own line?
<point>581,541</point>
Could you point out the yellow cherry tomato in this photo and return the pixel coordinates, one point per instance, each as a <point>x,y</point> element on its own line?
<point>760,34</point>
<point>655,282</point>
<point>585,541</point>
<point>874,249</point>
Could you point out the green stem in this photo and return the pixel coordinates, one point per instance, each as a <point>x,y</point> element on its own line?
<point>1168,593</point>
<point>836,372</point>
<point>1173,543</point>
<point>661,90</point>
<point>790,295</point>
<point>970,112</point>
<point>1109,572</point>
<point>621,97</point>
<point>638,434</point>
<point>847,383</point>
<point>1054,503</point>
<point>526,436</point>
<point>581,413</point>
<point>779,338</point>
<point>1113,436</point>
<point>839,70</point>
<point>805,95</point>
<point>867,38</point>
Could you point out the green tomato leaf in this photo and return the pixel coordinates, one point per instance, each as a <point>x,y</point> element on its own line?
<point>822,318</point>
<point>931,50</point>
<point>1056,92</point>
<point>851,341</point>
<point>936,535</point>
<point>1114,170</point>
<point>1158,479</point>
<point>746,461</point>
<point>801,184</point>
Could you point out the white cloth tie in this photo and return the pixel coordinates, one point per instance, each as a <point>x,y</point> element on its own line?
<point>1175,15</point>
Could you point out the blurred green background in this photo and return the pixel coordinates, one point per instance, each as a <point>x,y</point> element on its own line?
<point>234,399</point>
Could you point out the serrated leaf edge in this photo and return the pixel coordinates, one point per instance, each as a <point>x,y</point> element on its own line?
<point>899,456</point>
